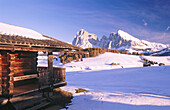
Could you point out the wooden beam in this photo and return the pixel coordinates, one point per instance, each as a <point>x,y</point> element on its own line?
<point>50,66</point>
<point>33,49</point>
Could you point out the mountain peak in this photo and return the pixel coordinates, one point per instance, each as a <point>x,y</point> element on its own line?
<point>119,41</point>
<point>84,39</point>
<point>81,32</point>
<point>127,36</point>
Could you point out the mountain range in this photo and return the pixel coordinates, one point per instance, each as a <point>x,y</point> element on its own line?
<point>119,41</point>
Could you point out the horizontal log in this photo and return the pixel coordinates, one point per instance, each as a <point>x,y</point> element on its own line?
<point>4,61</point>
<point>4,69</point>
<point>3,66</point>
<point>20,68</point>
<point>4,72</point>
<point>22,71</point>
<point>58,68</point>
<point>11,74</point>
<point>25,77</point>
<point>22,74</point>
<point>24,66</point>
<point>5,79</point>
<point>28,64</point>
<point>3,57</point>
<point>22,63</point>
<point>33,54</point>
<point>19,74</point>
<point>24,59</point>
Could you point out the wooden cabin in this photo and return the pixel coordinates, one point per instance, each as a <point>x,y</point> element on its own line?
<point>18,64</point>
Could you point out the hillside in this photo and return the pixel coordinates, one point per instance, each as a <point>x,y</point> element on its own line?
<point>103,61</point>
<point>112,87</point>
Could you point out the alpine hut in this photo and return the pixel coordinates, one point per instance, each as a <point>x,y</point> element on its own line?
<point>19,49</point>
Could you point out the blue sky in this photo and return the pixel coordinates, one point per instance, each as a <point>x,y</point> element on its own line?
<point>62,19</point>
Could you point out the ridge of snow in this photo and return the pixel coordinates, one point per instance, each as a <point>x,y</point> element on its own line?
<point>20,31</point>
<point>127,36</point>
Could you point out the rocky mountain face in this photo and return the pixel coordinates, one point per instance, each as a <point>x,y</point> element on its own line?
<point>119,41</point>
<point>85,40</point>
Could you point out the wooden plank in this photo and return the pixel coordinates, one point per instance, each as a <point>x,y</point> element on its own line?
<point>59,74</point>
<point>25,77</point>
<point>44,79</point>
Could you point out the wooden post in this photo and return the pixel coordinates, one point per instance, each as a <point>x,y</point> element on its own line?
<point>50,67</point>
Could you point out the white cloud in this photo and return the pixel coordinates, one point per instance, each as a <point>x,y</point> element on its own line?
<point>168,28</point>
<point>144,22</point>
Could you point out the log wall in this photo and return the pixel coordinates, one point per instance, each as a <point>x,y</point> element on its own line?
<point>15,65</point>
<point>6,79</point>
<point>23,63</point>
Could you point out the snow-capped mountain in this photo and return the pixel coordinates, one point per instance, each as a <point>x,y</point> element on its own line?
<point>122,41</point>
<point>119,41</point>
<point>85,40</point>
<point>104,42</point>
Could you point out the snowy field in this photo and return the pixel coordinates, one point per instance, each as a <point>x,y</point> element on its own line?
<point>132,87</point>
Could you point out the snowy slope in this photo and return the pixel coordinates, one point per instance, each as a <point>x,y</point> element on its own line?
<point>137,44</point>
<point>164,52</point>
<point>114,88</point>
<point>126,36</point>
<point>121,89</point>
<point>103,61</point>
<point>16,30</point>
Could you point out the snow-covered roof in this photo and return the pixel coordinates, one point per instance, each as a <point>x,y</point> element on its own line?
<point>8,29</point>
<point>14,36</point>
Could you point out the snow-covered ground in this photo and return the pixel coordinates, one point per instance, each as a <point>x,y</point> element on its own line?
<point>132,87</point>
<point>103,62</point>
